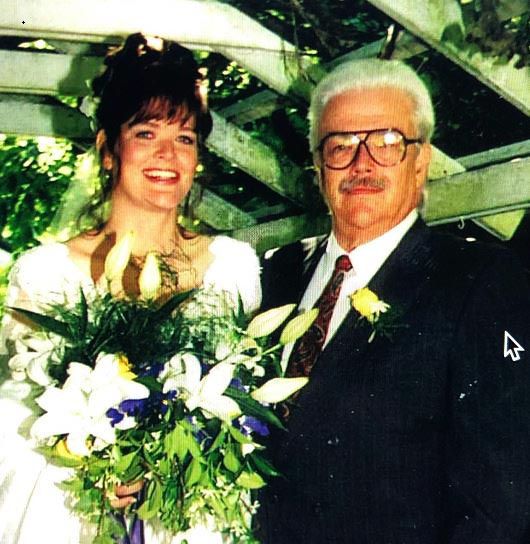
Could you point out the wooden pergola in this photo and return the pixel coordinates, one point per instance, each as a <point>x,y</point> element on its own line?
<point>491,188</point>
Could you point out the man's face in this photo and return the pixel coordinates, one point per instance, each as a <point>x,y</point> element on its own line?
<point>365,198</point>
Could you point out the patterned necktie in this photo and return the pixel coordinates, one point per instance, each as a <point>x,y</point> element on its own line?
<point>308,348</point>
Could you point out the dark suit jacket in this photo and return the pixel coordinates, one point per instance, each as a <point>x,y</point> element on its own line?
<point>421,439</point>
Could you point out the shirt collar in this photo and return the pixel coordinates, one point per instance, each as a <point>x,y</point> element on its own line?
<point>367,258</point>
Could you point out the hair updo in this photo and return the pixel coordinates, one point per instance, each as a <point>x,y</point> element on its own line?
<point>144,79</point>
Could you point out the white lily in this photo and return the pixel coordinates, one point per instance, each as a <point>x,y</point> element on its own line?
<point>278,389</point>
<point>205,393</point>
<point>150,278</point>
<point>267,322</point>
<point>118,257</point>
<point>79,408</point>
<point>32,358</point>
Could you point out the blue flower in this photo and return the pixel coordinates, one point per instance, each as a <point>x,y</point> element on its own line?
<point>236,383</point>
<point>134,407</point>
<point>251,424</point>
<point>199,434</point>
<point>115,415</point>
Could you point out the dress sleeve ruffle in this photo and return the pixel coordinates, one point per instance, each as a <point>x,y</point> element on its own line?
<point>236,271</point>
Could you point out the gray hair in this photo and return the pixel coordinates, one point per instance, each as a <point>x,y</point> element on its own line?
<point>363,74</point>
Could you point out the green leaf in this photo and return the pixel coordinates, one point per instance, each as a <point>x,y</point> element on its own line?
<point>250,480</point>
<point>190,441</point>
<point>167,308</point>
<point>150,382</point>
<point>104,539</point>
<point>97,467</point>
<point>153,501</point>
<point>252,407</point>
<point>218,441</point>
<point>263,465</point>
<point>69,460</point>
<point>164,467</point>
<point>125,462</point>
<point>193,472</point>
<point>84,313</point>
<point>176,443</point>
<point>46,322</point>
<point>231,461</point>
<point>105,332</point>
<point>75,485</point>
<point>239,436</point>
<point>144,512</point>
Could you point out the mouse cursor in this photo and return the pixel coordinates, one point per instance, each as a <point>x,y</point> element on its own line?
<point>511,347</point>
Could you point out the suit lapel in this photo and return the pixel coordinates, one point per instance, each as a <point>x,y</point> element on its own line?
<point>312,256</point>
<point>397,282</point>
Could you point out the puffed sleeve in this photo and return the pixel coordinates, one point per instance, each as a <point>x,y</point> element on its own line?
<point>235,270</point>
<point>39,278</point>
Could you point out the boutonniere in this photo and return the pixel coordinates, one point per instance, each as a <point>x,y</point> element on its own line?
<point>370,308</point>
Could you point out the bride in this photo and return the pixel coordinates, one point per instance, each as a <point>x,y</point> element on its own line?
<point>151,119</point>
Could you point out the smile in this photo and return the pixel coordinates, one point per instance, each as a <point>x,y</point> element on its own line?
<point>161,176</point>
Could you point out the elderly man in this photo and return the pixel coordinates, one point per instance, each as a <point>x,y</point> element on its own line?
<point>415,424</point>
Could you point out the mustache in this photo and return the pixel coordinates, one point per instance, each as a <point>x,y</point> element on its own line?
<point>349,184</point>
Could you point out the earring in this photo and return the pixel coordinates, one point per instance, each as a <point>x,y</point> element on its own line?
<point>107,162</point>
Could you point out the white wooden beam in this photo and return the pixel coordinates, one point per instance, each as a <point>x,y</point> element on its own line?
<point>211,25</point>
<point>41,116</point>
<point>494,189</point>
<point>46,73</point>
<point>259,160</point>
<point>254,107</point>
<point>517,150</point>
<point>439,23</point>
<point>217,212</point>
<point>284,231</point>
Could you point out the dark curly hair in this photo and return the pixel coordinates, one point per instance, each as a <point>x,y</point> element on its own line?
<point>142,82</point>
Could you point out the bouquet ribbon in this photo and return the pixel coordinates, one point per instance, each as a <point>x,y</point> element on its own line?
<point>134,530</point>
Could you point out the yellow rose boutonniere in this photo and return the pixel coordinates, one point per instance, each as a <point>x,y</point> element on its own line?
<point>369,306</point>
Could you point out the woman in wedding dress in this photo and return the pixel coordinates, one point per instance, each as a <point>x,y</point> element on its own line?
<point>151,118</point>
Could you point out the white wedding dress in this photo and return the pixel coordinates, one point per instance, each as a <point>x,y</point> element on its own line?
<point>32,507</point>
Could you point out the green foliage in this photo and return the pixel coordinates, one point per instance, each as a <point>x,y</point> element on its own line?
<point>500,29</point>
<point>34,173</point>
<point>196,462</point>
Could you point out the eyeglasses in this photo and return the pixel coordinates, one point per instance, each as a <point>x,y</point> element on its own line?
<point>387,147</point>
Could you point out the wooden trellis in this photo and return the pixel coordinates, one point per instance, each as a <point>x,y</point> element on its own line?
<point>492,188</point>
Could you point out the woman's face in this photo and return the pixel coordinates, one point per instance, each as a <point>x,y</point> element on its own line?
<point>158,159</point>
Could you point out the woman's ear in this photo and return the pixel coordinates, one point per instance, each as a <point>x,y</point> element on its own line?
<point>101,145</point>
<point>101,139</point>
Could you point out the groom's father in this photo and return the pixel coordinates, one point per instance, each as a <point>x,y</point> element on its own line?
<point>415,424</point>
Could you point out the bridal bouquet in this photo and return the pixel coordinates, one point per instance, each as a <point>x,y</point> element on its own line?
<point>173,393</point>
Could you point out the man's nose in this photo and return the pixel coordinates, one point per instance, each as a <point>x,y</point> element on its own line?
<point>362,160</point>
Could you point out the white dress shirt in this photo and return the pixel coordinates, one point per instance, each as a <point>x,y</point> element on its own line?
<point>366,260</point>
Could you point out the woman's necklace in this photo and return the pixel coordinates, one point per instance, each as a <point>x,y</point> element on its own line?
<point>176,267</point>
